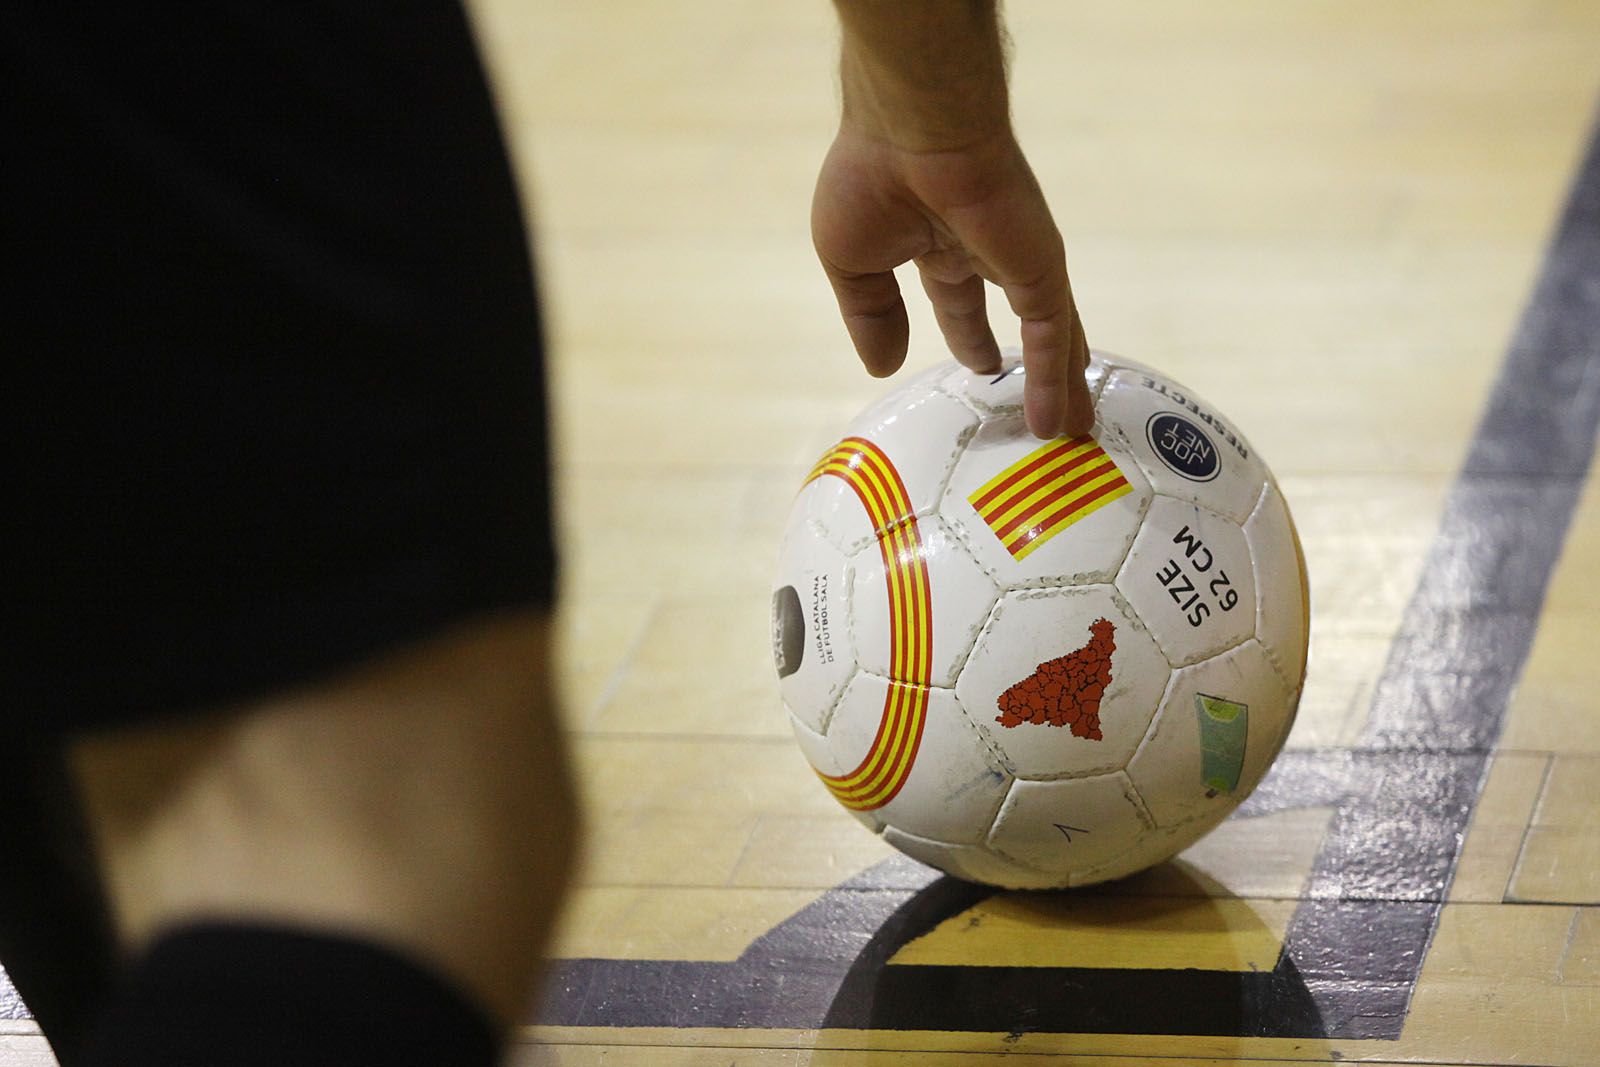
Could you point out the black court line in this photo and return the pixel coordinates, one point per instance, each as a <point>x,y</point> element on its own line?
<point>1403,797</point>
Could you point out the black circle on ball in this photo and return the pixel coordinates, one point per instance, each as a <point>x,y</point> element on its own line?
<point>1183,446</point>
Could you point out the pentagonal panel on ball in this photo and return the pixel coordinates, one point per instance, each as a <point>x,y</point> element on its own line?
<point>1182,443</point>
<point>1063,682</point>
<point>1189,577</point>
<point>1282,601</point>
<point>811,644</point>
<point>1000,391</point>
<point>917,602</point>
<point>1039,513</point>
<point>1221,724</point>
<point>909,755</point>
<point>1069,826</point>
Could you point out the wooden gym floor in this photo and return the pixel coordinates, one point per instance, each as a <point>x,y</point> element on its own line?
<point>1343,222</point>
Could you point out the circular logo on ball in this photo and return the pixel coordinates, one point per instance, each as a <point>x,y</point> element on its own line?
<point>1183,446</point>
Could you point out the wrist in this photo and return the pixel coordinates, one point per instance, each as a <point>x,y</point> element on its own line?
<point>925,77</point>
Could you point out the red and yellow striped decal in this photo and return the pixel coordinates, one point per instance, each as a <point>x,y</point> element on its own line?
<point>1046,491</point>
<point>863,466</point>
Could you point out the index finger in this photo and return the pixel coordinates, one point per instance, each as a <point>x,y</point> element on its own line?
<point>1055,357</point>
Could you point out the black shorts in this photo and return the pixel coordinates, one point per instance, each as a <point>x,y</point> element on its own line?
<point>276,400</point>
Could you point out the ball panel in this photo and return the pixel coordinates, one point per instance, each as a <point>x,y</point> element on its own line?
<point>814,746</point>
<point>1151,848</point>
<point>1221,723</point>
<point>1063,682</point>
<point>1185,449</point>
<point>1115,361</point>
<point>833,512</point>
<point>921,438</point>
<point>906,389</point>
<point>884,470</point>
<point>955,785</point>
<point>1068,826</point>
<point>1189,577</point>
<point>1038,513</point>
<point>1281,615</point>
<point>811,641</point>
<point>823,760</point>
<point>970,863</point>
<point>959,596</point>
<point>1000,392</point>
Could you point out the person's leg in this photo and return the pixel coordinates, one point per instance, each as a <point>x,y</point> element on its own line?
<point>273,300</point>
<point>419,803</point>
<point>56,942</point>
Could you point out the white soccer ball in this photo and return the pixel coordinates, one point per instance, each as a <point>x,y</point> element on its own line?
<point>1040,664</point>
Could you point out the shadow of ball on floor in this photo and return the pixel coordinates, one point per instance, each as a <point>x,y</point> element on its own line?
<point>1167,951</point>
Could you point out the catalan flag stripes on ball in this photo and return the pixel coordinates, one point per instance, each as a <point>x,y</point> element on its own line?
<point>870,474</point>
<point>1047,491</point>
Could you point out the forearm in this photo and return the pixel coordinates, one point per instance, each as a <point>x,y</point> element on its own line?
<point>924,75</point>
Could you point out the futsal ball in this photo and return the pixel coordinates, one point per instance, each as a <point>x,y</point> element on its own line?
<point>1039,664</point>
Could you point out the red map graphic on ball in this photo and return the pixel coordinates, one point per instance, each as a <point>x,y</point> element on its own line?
<point>1065,691</point>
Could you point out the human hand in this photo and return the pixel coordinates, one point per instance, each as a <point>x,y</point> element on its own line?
<point>964,216</point>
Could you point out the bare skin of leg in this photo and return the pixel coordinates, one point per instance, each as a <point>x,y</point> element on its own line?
<point>421,801</point>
